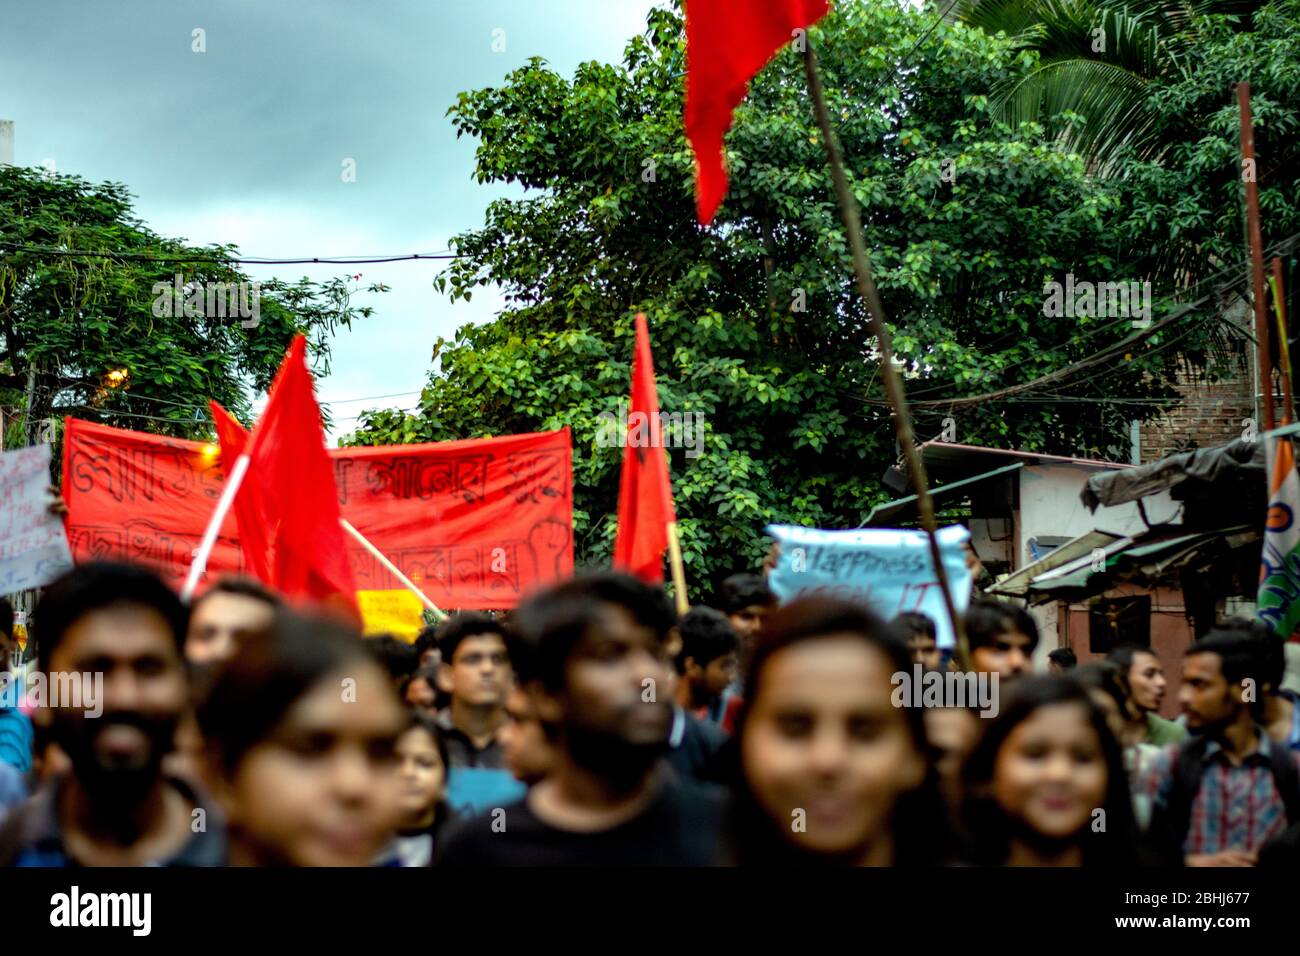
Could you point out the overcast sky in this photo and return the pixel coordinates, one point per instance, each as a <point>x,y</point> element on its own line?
<point>244,143</point>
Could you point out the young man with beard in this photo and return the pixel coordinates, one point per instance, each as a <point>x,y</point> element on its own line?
<point>1222,795</point>
<point>596,666</point>
<point>117,807</point>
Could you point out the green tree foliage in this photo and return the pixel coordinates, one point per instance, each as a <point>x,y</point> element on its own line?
<point>755,322</point>
<point>79,334</point>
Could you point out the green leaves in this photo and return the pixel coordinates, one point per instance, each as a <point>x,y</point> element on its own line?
<point>72,320</point>
<point>755,322</point>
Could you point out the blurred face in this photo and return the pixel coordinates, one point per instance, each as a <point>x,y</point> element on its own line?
<point>527,752</point>
<point>1147,678</point>
<point>478,674</point>
<point>1008,655</point>
<point>1050,773</point>
<point>823,738</point>
<point>924,650</point>
<point>220,622</point>
<point>1208,699</point>
<point>8,648</point>
<point>748,621</point>
<point>615,708</point>
<point>720,673</point>
<point>144,694</point>
<point>1106,704</point>
<point>430,657</point>
<point>420,695</point>
<point>422,773</point>
<point>324,788</point>
<point>951,733</point>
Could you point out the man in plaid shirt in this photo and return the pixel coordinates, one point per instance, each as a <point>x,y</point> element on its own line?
<point>1219,797</point>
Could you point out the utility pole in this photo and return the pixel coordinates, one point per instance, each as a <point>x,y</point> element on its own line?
<point>1256,243</point>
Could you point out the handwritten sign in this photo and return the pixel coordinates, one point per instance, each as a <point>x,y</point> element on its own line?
<point>33,547</point>
<point>396,612</point>
<point>890,570</point>
<point>475,523</point>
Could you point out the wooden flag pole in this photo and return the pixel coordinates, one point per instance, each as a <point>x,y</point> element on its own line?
<point>893,381</point>
<point>678,569</point>
<point>392,568</point>
<point>209,540</point>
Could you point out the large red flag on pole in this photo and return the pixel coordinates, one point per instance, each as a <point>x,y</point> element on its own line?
<point>727,42</point>
<point>292,483</point>
<point>645,496</point>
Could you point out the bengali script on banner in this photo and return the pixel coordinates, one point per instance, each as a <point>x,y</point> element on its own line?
<point>475,524</point>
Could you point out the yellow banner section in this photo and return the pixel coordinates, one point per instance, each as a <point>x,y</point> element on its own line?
<point>395,612</point>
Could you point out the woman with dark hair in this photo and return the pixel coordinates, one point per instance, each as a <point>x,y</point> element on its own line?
<point>301,730</point>
<point>1046,786</point>
<point>422,761</point>
<point>825,768</point>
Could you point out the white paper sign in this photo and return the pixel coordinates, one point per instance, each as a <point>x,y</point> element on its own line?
<point>889,569</point>
<point>33,546</point>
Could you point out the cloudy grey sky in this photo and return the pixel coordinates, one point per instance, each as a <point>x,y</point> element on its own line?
<point>244,143</point>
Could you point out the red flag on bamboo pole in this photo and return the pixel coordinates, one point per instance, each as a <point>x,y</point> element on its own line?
<point>645,496</point>
<point>290,486</point>
<point>727,42</point>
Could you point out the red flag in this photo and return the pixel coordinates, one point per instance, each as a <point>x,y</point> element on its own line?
<point>727,42</point>
<point>249,510</point>
<point>291,482</point>
<point>645,495</point>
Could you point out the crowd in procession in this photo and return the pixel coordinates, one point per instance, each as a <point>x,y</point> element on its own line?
<point>592,725</point>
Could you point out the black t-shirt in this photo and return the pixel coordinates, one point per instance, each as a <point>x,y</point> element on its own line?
<point>682,826</point>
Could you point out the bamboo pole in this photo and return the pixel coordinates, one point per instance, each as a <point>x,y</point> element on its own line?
<point>893,381</point>
<point>392,568</point>
<point>678,569</point>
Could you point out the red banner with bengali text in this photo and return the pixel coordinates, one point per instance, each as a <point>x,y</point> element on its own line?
<point>475,524</point>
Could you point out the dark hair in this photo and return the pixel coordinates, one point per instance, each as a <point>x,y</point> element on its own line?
<point>987,828</point>
<point>394,654</point>
<point>919,822</point>
<point>706,636</point>
<point>742,590</point>
<point>1125,654</point>
<point>1064,658</point>
<point>6,618</point>
<point>988,620</point>
<point>241,586</point>
<point>457,627</point>
<point>427,640</point>
<point>1106,677</point>
<point>416,718</point>
<point>102,584</point>
<point>253,691</point>
<point>912,624</point>
<point>1269,649</point>
<point>551,623</point>
<point>1237,649</point>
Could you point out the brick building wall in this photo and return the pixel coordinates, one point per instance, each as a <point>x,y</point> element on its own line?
<point>1211,413</point>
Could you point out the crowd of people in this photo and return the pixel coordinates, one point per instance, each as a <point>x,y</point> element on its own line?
<point>592,725</point>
